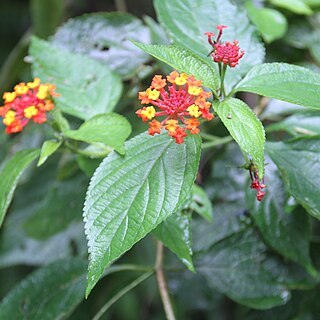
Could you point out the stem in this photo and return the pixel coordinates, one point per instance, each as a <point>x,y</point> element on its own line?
<point>121,5</point>
<point>162,284</point>
<point>223,73</point>
<point>120,294</point>
<point>217,142</point>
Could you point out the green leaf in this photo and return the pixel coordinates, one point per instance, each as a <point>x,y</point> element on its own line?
<point>111,129</point>
<point>296,6</point>
<point>200,203</point>
<point>48,148</point>
<point>284,82</point>
<point>298,161</point>
<point>188,20</point>
<point>86,86</point>
<point>286,232</point>
<point>245,128</point>
<point>10,174</point>
<point>233,265</point>
<point>271,23</point>
<point>60,122</point>
<point>184,61</point>
<point>175,234</point>
<point>52,292</point>
<point>300,123</point>
<point>105,37</point>
<point>130,195</point>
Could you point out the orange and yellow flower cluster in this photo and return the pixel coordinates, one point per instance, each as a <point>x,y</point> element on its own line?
<point>28,101</point>
<point>179,100</point>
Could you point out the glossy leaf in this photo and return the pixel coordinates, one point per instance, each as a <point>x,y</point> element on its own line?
<point>177,16</point>
<point>271,23</point>
<point>299,164</point>
<point>296,6</point>
<point>175,234</point>
<point>130,195</point>
<point>86,87</point>
<point>111,129</point>
<point>284,82</point>
<point>10,174</point>
<point>183,60</point>
<point>49,293</point>
<point>48,148</point>
<point>245,128</point>
<point>286,232</point>
<point>106,37</point>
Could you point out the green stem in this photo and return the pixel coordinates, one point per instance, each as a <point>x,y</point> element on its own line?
<point>162,283</point>
<point>223,74</point>
<point>217,142</point>
<point>120,294</point>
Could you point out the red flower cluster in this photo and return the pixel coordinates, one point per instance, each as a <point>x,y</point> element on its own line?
<point>228,53</point>
<point>256,184</point>
<point>27,102</point>
<point>183,100</point>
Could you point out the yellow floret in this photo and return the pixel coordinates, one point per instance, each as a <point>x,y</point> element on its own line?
<point>149,112</point>
<point>153,94</point>
<point>21,88</point>
<point>195,91</point>
<point>9,96</point>
<point>30,112</point>
<point>9,118</point>
<point>42,91</point>
<point>194,111</point>
<point>34,84</point>
<point>171,125</point>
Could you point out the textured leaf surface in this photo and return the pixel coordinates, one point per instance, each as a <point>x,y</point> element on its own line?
<point>86,87</point>
<point>177,16</point>
<point>10,174</point>
<point>184,61</point>
<point>300,123</point>
<point>110,128</point>
<point>245,128</point>
<point>48,148</point>
<point>271,23</point>
<point>286,232</point>
<point>105,37</point>
<point>284,82</point>
<point>175,234</point>
<point>233,265</point>
<point>130,195</point>
<point>299,164</point>
<point>48,293</point>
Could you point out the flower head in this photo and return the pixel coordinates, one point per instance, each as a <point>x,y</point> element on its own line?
<point>228,53</point>
<point>179,100</point>
<point>256,183</point>
<point>27,102</point>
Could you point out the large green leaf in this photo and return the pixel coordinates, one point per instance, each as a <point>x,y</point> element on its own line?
<point>286,232</point>
<point>49,293</point>
<point>271,23</point>
<point>175,234</point>
<point>112,129</point>
<point>130,195</point>
<point>245,127</point>
<point>105,37</point>
<point>296,6</point>
<point>299,164</point>
<point>300,123</point>
<point>86,86</point>
<point>10,174</point>
<point>188,20</point>
<point>185,61</point>
<point>284,82</point>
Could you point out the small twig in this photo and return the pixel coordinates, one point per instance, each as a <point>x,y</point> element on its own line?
<point>162,283</point>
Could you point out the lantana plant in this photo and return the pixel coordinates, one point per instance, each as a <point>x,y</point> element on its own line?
<point>193,173</point>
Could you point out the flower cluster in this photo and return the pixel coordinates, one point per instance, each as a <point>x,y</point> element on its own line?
<point>228,53</point>
<point>180,99</point>
<point>28,101</point>
<point>256,184</point>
